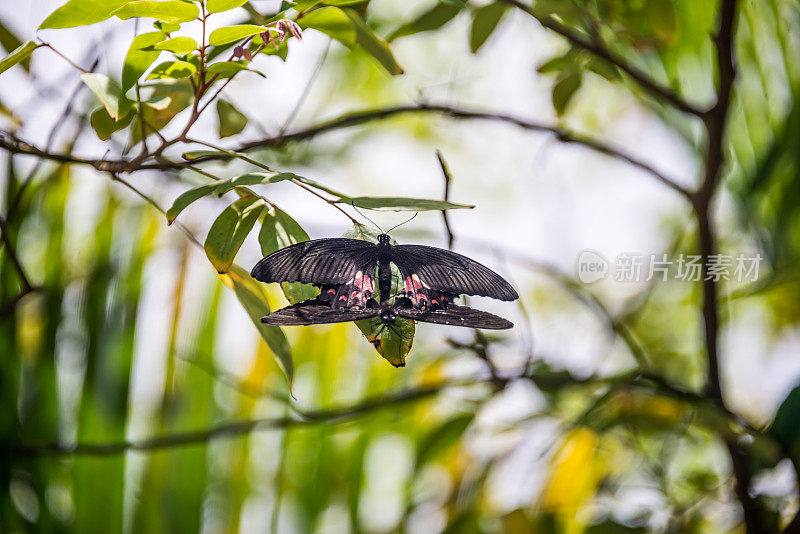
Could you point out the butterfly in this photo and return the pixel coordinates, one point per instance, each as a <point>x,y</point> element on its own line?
<point>345,270</point>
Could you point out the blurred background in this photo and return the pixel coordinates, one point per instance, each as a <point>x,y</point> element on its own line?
<point>130,335</point>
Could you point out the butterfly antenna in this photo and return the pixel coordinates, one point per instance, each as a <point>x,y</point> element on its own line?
<point>367,218</point>
<point>404,222</point>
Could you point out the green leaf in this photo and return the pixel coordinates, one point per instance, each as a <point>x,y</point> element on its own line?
<point>228,34</point>
<point>81,13</point>
<point>433,19</point>
<point>484,22</point>
<point>565,88</point>
<point>109,93</point>
<point>186,198</point>
<point>179,45</point>
<point>226,69</point>
<point>231,120</point>
<point>138,60</point>
<point>217,6</point>
<point>172,70</point>
<point>104,125</point>
<point>166,27</point>
<point>402,204</point>
<point>374,45</point>
<point>392,342</point>
<point>168,98</point>
<point>441,438</point>
<point>197,154</point>
<point>20,54</point>
<point>785,426</point>
<point>11,42</point>
<point>279,230</point>
<point>333,22</point>
<point>229,230</point>
<point>252,298</point>
<point>222,187</point>
<point>663,19</point>
<point>172,11</point>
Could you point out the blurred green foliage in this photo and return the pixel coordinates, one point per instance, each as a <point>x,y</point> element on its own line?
<point>312,435</point>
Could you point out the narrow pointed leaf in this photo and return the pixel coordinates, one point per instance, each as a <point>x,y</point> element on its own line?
<point>402,204</point>
<point>20,54</point>
<point>484,22</point>
<point>229,230</point>
<point>252,298</point>
<point>374,45</point>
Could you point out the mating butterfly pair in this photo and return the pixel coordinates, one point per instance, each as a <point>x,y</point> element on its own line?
<point>344,270</point>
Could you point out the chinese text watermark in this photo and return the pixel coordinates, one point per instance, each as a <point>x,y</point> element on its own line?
<point>631,267</point>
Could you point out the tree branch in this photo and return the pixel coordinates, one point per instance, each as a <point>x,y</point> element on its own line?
<point>715,121</point>
<point>601,50</point>
<point>361,117</point>
<point>228,429</point>
<point>17,146</point>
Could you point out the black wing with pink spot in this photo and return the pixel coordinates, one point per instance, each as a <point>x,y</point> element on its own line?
<point>355,293</point>
<point>316,312</point>
<point>455,315</point>
<point>449,273</point>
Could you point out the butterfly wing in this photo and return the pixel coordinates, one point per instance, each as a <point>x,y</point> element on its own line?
<point>316,312</point>
<point>320,261</point>
<point>456,316</point>
<point>448,272</point>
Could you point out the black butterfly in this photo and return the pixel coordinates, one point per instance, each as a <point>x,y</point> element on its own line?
<point>317,311</point>
<point>345,268</point>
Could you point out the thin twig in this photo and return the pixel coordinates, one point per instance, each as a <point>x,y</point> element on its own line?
<point>68,60</point>
<point>447,179</point>
<point>601,50</point>
<point>12,255</point>
<point>115,177</point>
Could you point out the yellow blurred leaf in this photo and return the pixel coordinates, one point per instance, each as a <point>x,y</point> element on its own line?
<point>577,469</point>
